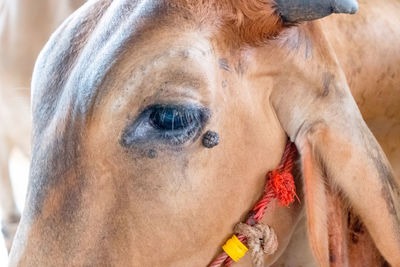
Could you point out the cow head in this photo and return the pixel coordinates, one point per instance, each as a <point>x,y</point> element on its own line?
<point>122,96</point>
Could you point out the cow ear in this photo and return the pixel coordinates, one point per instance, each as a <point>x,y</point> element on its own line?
<point>305,10</point>
<point>350,161</point>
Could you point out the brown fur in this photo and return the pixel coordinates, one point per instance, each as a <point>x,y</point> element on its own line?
<point>94,201</point>
<point>244,22</point>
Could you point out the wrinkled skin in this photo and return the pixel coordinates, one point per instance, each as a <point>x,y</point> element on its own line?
<point>25,26</point>
<point>103,192</point>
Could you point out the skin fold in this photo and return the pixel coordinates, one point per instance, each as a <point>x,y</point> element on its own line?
<point>106,190</point>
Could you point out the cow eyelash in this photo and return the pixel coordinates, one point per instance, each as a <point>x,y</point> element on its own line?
<point>169,124</point>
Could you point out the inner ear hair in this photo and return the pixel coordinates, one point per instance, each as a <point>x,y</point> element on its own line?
<point>333,162</point>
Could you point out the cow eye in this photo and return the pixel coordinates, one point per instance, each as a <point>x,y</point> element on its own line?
<point>170,124</point>
<point>173,118</point>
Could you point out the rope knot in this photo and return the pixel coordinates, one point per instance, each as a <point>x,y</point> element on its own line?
<point>261,240</point>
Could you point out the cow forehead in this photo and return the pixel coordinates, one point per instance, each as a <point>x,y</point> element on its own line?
<point>88,45</point>
<point>83,52</point>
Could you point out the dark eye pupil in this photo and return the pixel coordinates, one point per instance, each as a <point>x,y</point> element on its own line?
<point>170,118</point>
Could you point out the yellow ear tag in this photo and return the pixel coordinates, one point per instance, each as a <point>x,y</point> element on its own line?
<point>234,248</point>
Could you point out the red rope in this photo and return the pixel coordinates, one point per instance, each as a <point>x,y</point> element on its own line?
<point>279,184</point>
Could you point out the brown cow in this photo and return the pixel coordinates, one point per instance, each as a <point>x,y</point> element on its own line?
<point>124,91</point>
<point>25,26</point>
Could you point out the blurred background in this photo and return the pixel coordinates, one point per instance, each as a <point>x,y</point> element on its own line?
<point>19,169</point>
